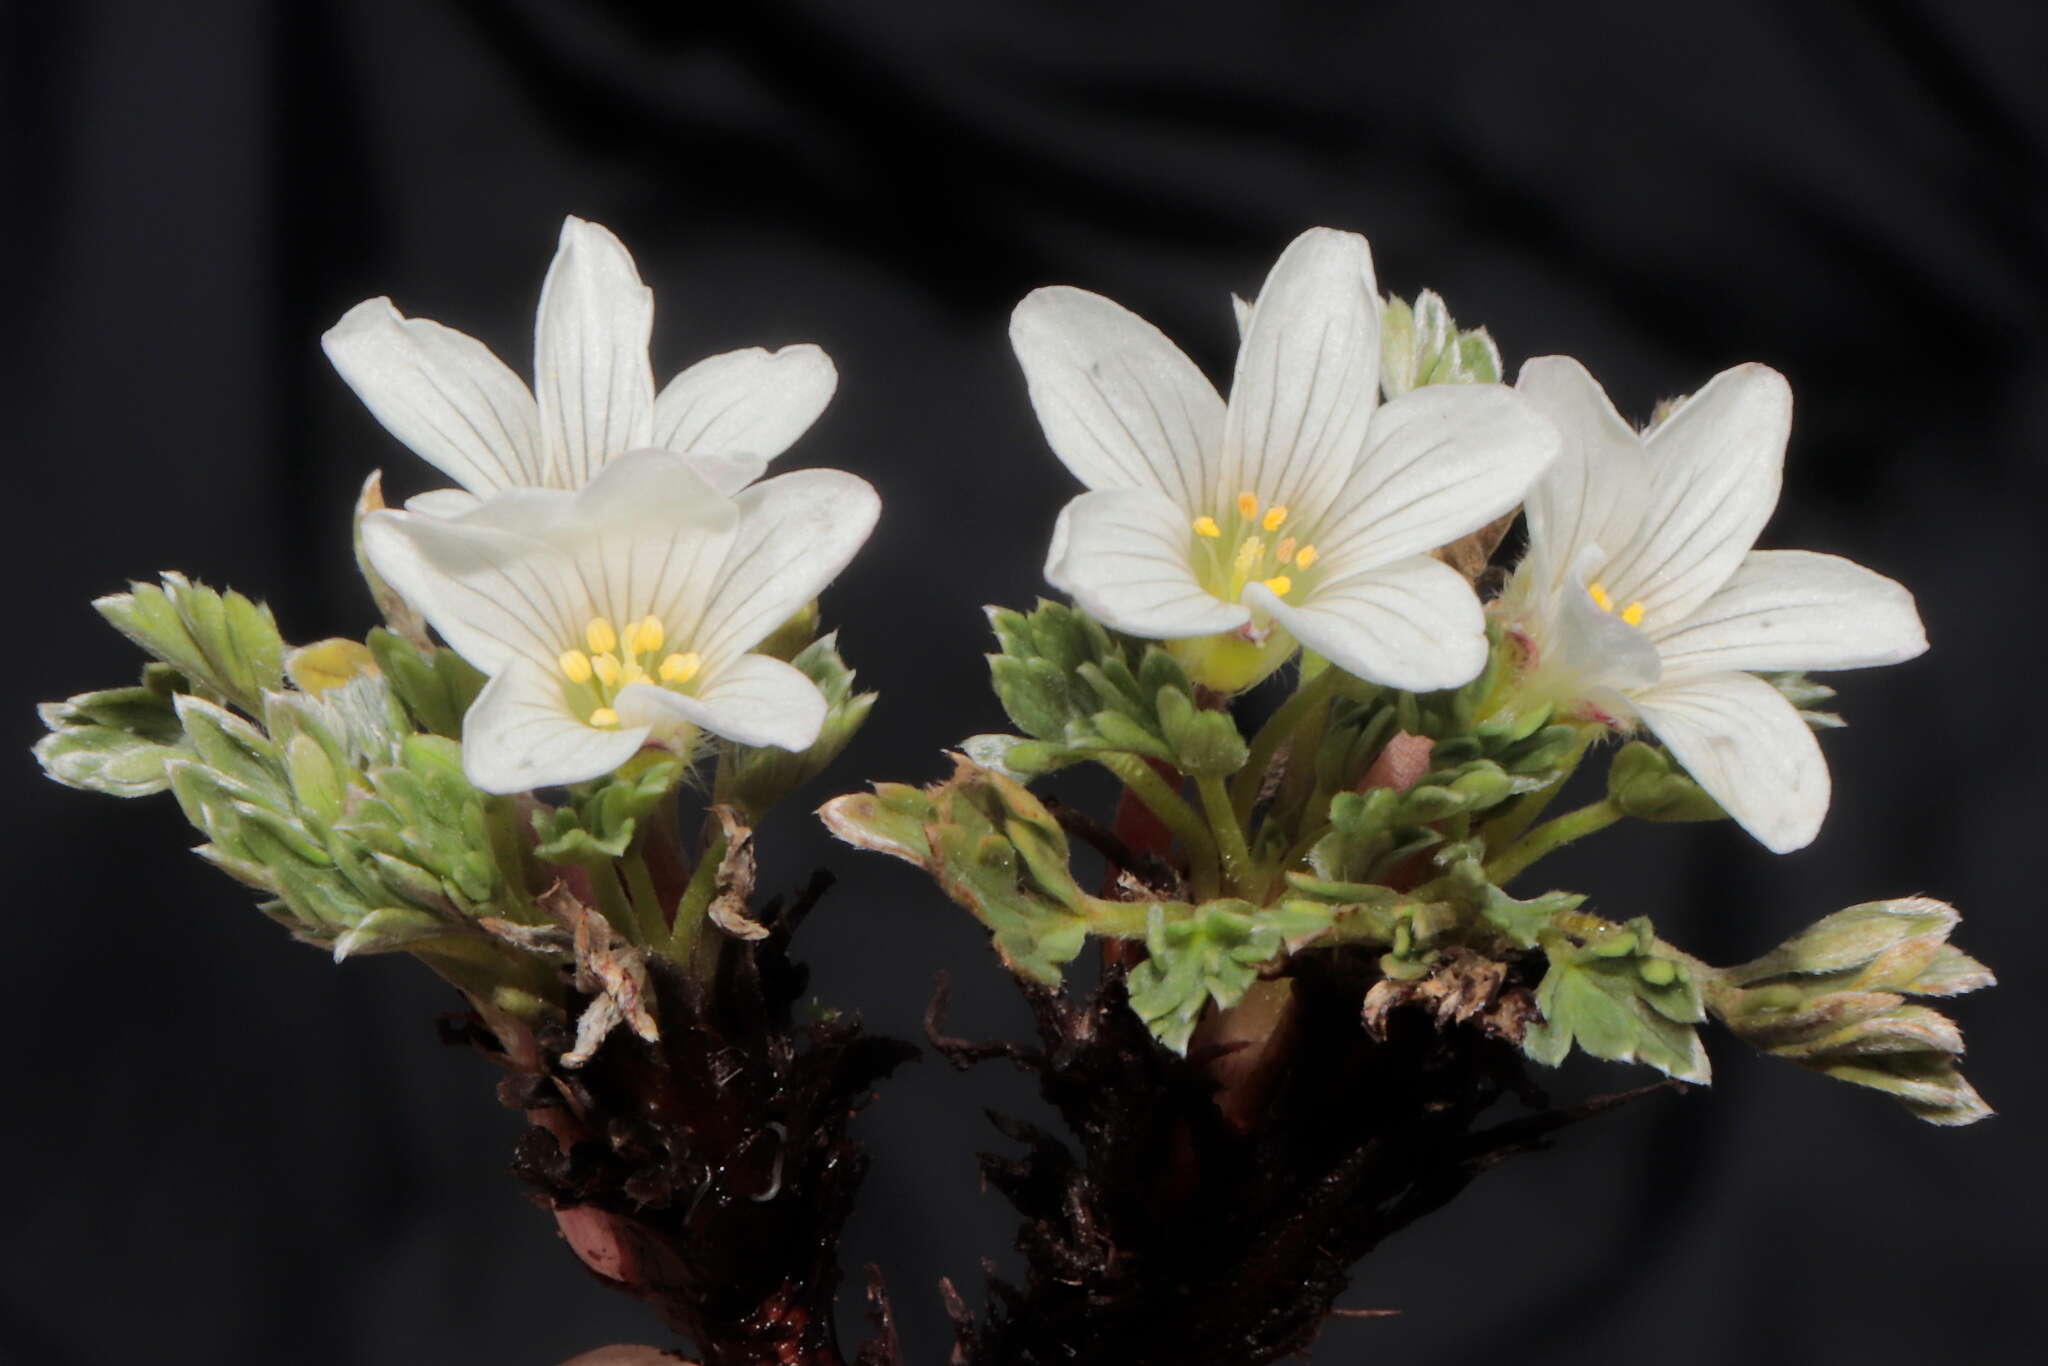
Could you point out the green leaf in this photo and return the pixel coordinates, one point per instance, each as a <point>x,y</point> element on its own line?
<point>1203,743</point>
<point>104,759</point>
<point>434,686</point>
<point>224,644</point>
<point>1610,990</point>
<point>1648,784</point>
<point>386,929</point>
<point>1215,955</point>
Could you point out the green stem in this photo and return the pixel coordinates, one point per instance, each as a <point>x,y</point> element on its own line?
<point>1238,871</point>
<point>689,924</point>
<point>1178,817</point>
<point>1128,919</point>
<point>611,900</point>
<point>646,901</point>
<point>1552,835</point>
<point>1279,728</point>
<point>1523,810</point>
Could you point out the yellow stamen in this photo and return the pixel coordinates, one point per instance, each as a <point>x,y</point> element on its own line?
<point>1275,515</point>
<point>1285,550</point>
<point>1278,585</point>
<point>1599,596</point>
<point>1247,505</point>
<point>1305,557</point>
<point>632,673</point>
<point>680,668</point>
<point>575,665</point>
<point>606,667</point>
<point>600,636</point>
<point>644,636</point>
<point>604,716</point>
<point>1248,555</point>
<point>1206,526</point>
<point>1633,614</point>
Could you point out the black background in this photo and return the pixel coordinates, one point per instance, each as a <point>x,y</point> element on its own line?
<point>219,1147</point>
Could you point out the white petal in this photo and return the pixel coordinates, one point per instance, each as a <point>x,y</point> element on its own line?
<point>726,473</point>
<point>443,394</point>
<point>1715,468</point>
<point>1597,650</point>
<point>443,503</point>
<point>795,533</point>
<point>1121,405</point>
<point>752,699</point>
<point>590,370</point>
<point>1792,609</point>
<point>520,734</point>
<point>1308,374</point>
<point>752,402</point>
<point>1443,460</point>
<point>1124,557</point>
<point>1746,745</point>
<point>1413,625</point>
<point>494,596</point>
<point>1595,491</point>
<point>648,534</point>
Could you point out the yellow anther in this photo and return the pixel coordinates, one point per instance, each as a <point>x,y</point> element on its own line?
<point>1206,526</point>
<point>680,668</point>
<point>1278,585</point>
<point>1633,614</point>
<point>1599,596</point>
<point>632,673</point>
<point>1305,557</point>
<point>644,636</point>
<point>606,667</point>
<point>1248,554</point>
<point>1247,505</point>
<point>600,636</point>
<point>1284,551</point>
<point>575,665</point>
<point>604,716</point>
<point>1275,515</point>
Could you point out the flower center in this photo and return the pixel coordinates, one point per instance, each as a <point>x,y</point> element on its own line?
<point>1632,614</point>
<point>1246,547</point>
<point>615,659</point>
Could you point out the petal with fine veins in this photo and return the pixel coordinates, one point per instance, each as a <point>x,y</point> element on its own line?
<point>1793,609</point>
<point>752,402</point>
<point>1598,648</point>
<point>1748,747</point>
<point>1595,491</point>
<point>1715,467</point>
<point>520,734</point>
<point>1122,407</point>
<point>1445,460</point>
<point>443,503</point>
<point>752,699</point>
<point>1413,625</point>
<point>443,394</point>
<point>1308,374</point>
<point>590,370</point>
<point>1123,556</point>
<point>794,534</point>
<point>494,596</point>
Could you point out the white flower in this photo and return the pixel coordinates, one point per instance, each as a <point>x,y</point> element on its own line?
<point>621,614</point>
<point>1642,602</point>
<point>462,410</point>
<point>1302,510</point>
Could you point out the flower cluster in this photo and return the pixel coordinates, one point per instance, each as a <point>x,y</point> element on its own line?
<point>609,561</point>
<point>623,596</point>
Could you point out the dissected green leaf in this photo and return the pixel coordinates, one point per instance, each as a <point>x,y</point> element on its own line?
<point>224,644</point>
